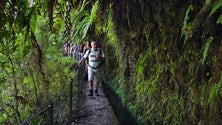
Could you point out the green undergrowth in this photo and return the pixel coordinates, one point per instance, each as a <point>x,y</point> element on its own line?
<point>35,72</point>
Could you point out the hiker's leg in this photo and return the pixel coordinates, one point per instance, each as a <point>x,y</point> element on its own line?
<point>90,79</point>
<point>91,84</point>
<point>98,80</point>
<point>96,86</point>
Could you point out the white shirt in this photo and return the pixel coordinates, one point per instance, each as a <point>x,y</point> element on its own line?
<point>93,62</point>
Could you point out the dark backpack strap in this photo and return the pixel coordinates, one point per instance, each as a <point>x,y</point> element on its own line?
<point>95,67</point>
<point>89,52</point>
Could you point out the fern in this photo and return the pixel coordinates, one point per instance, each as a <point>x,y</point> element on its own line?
<point>216,6</point>
<point>219,21</point>
<point>91,19</point>
<point>206,48</point>
<point>214,101</point>
<point>93,13</point>
<point>185,23</point>
<point>82,21</point>
<point>214,93</point>
<point>186,18</point>
<point>84,3</point>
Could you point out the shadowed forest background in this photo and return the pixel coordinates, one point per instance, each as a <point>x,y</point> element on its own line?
<point>163,58</point>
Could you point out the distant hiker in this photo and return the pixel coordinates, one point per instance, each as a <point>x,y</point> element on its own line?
<point>96,57</point>
<point>86,47</point>
<point>80,50</point>
<point>75,51</point>
<point>72,48</point>
<point>67,48</point>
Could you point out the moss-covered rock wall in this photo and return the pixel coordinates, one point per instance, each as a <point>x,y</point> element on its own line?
<point>164,58</point>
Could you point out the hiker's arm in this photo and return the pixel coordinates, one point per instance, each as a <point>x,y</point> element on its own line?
<point>84,50</point>
<point>84,57</point>
<point>81,60</point>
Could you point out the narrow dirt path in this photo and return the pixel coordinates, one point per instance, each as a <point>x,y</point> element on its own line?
<point>95,110</point>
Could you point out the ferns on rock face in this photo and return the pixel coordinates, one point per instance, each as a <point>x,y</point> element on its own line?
<point>215,8</point>
<point>82,20</point>
<point>206,49</point>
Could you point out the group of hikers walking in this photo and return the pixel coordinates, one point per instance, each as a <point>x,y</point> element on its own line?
<point>73,50</point>
<point>91,56</point>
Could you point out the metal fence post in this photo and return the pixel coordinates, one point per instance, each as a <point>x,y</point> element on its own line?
<point>82,79</point>
<point>70,101</point>
<point>50,114</point>
<point>78,74</point>
<point>79,81</point>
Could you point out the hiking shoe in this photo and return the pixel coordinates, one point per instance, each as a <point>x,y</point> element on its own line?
<point>90,93</point>
<point>96,91</point>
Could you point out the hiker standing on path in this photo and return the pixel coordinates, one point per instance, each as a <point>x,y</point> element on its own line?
<point>86,47</point>
<point>80,50</point>
<point>67,48</point>
<point>96,57</point>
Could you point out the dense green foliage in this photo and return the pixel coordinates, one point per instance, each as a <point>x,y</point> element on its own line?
<point>33,69</point>
<point>163,57</point>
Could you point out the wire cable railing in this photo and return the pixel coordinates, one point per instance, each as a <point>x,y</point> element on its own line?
<point>51,113</point>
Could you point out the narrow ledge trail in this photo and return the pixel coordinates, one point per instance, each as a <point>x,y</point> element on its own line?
<point>94,110</point>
